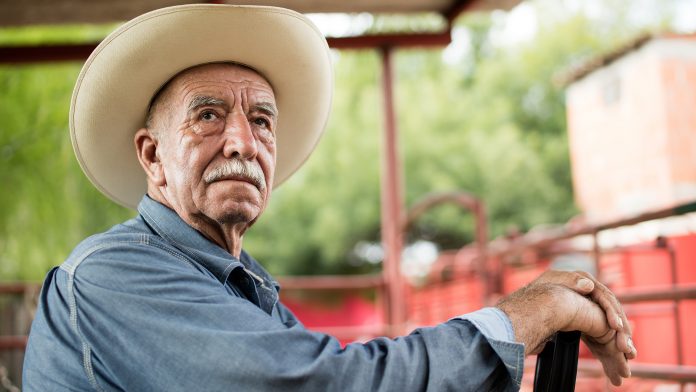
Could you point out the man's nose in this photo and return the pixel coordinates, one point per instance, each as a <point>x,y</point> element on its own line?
<point>239,138</point>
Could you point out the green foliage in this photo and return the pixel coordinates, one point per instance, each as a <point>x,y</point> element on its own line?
<point>47,206</point>
<point>315,218</point>
<point>43,35</point>
<point>492,123</point>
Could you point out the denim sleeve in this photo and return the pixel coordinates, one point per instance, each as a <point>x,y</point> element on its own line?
<point>147,326</point>
<point>496,327</point>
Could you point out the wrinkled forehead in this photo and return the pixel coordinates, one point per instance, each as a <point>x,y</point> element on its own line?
<point>188,73</point>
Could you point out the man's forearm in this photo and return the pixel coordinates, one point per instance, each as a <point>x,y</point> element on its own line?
<point>531,313</point>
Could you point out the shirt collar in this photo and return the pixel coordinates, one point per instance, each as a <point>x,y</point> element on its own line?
<point>168,225</point>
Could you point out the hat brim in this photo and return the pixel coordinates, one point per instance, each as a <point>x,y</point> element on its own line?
<point>113,91</point>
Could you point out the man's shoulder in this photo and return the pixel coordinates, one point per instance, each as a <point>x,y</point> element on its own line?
<point>129,241</point>
<point>122,234</point>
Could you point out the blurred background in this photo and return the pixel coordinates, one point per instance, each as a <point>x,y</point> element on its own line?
<point>543,133</point>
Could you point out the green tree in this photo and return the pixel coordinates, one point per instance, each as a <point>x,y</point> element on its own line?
<point>316,218</point>
<point>492,123</point>
<point>47,206</point>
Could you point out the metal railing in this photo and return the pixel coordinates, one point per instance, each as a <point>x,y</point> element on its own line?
<point>551,242</point>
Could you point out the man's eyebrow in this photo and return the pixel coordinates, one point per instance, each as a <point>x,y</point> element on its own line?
<point>204,100</point>
<point>266,107</point>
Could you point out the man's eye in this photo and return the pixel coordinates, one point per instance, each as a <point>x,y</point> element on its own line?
<point>208,116</point>
<point>262,122</point>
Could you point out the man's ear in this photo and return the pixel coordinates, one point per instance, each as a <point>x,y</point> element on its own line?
<point>146,147</point>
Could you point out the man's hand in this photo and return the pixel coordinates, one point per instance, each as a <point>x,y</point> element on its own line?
<point>585,284</point>
<point>568,301</point>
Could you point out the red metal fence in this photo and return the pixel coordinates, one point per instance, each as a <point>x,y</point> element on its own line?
<point>655,280</point>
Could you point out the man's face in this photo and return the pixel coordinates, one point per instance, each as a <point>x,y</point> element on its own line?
<point>215,127</point>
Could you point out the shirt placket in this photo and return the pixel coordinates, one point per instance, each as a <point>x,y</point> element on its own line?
<point>240,281</point>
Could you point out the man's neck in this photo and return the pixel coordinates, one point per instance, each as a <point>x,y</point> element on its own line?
<point>227,235</point>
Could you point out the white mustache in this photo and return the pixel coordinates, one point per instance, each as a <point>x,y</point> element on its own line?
<point>238,168</point>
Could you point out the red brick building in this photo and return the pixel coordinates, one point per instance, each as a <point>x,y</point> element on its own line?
<point>632,128</point>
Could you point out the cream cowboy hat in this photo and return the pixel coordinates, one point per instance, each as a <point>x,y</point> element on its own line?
<point>113,91</point>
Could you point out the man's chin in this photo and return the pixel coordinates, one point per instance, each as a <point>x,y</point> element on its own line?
<point>236,218</point>
<point>234,212</point>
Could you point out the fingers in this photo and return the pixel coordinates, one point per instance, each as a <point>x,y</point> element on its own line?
<point>634,353</point>
<point>609,336</point>
<point>615,315</point>
<point>602,296</point>
<point>624,343</point>
<point>613,361</point>
<point>615,367</point>
<point>606,344</point>
<point>575,281</point>
<point>588,318</point>
<point>607,300</point>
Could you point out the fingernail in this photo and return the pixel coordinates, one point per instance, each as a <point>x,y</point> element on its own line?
<point>629,342</point>
<point>585,284</point>
<point>619,322</point>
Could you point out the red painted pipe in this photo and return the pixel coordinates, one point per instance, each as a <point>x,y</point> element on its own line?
<point>13,342</point>
<point>331,282</point>
<point>545,239</point>
<point>641,370</point>
<point>392,201</point>
<point>17,288</point>
<point>668,293</point>
<point>25,54</point>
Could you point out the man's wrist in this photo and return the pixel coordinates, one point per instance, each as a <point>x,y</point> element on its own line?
<point>492,323</point>
<point>532,313</point>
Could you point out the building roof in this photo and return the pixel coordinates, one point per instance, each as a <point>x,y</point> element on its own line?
<point>579,71</point>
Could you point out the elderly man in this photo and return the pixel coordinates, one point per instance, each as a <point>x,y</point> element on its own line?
<point>222,103</point>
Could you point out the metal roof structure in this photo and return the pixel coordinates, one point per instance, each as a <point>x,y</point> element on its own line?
<point>32,12</point>
<point>54,12</point>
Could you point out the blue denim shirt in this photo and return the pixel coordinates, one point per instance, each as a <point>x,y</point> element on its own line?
<point>152,305</point>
